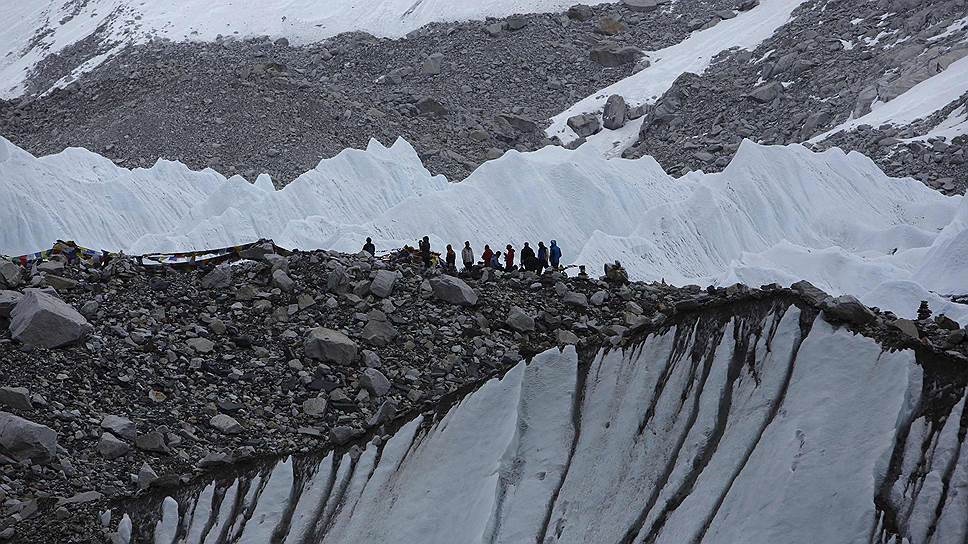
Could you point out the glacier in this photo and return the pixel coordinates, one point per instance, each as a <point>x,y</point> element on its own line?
<point>775,214</point>
<point>758,422</point>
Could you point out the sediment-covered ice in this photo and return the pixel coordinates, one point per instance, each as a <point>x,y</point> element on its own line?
<point>777,213</point>
<point>760,426</point>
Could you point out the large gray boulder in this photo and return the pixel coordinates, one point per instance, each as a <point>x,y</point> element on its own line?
<point>848,309</point>
<point>8,299</point>
<point>219,278</point>
<point>17,398</point>
<point>382,284</point>
<point>584,124</point>
<point>615,55</point>
<point>644,5</point>
<point>453,290</point>
<point>11,274</point>
<point>42,319</point>
<point>330,346</point>
<point>812,294</point>
<point>614,116</point>
<point>378,331</point>
<point>375,382</point>
<point>519,320</point>
<point>766,93</point>
<point>22,439</point>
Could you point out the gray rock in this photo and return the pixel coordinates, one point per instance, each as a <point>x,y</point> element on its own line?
<point>382,284</point>
<point>11,274</point>
<point>584,124</point>
<point>225,424</point>
<point>315,407</point>
<point>566,337</point>
<point>811,294</point>
<point>580,12</point>
<point>331,346</point>
<point>282,280</point>
<point>342,434</point>
<point>22,439</point>
<point>516,23</point>
<point>598,298</point>
<point>17,398</point>
<point>146,476</point>
<point>219,278</point>
<point>201,345</point>
<point>428,105</point>
<point>494,29</point>
<point>453,290</point>
<point>112,447</point>
<point>41,319</point>
<point>153,442</point>
<point>8,300</point>
<point>907,327</point>
<point>384,413</point>
<point>847,308</point>
<point>375,382</point>
<point>614,114</point>
<point>766,93</point>
<point>519,320</point>
<point>120,426</point>
<point>432,65</point>
<point>615,55</point>
<point>379,332</point>
<point>518,123</point>
<point>578,300</point>
<point>337,280</point>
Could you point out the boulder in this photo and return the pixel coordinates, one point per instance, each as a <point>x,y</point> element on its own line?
<point>382,284</point>
<point>614,115</point>
<point>153,442</point>
<point>907,327</point>
<point>8,300</point>
<point>578,300</point>
<point>120,426</point>
<point>946,323</point>
<point>580,12</point>
<point>379,332</point>
<point>225,424</point>
<point>11,274</point>
<point>766,93</point>
<point>219,278</point>
<point>42,319</point>
<point>432,65</point>
<point>599,298</point>
<point>611,55</point>
<point>112,447</point>
<point>520,124</point>
<point>566,337</point>
<point>453,290</point>
<point>584,124</point>
<point>17,398</point>
<point>428,105</point>
<point>809,292</point>
<point>331,346</point>
<point>282,280</point>
<point>375,382</point>
<point>848,309</point>
<point>201,345</point>
<point>384,413</point>
<point>315,407</point>
<point>519,320</point>
<point>22,439</point>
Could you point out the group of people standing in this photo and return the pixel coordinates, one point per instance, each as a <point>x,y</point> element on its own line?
<point>547,257</point>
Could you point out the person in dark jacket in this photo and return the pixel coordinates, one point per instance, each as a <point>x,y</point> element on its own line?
<point>487,255</point>
<point>542,258</point>
<point>467,256</point>
<point>451,259</point>
<point>369,247</point>
<point>509,258</point>
<point>425,251</point>
<point>554,252</point>
<point>527,257</point>
<point>496,261</point>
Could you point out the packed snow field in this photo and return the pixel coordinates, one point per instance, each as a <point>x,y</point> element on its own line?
<point>776,214</point>
<point>747,427</point>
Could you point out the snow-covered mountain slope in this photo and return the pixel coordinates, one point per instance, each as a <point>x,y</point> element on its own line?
<point>775,214</point>
<point>760,424</point>
<point>38,28</point>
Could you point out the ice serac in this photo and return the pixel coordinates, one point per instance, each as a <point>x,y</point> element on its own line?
<point>758,422</point>
<point>776,214</point>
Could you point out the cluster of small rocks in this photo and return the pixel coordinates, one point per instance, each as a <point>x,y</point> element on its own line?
<point>831,62</point>
<point>147,378</point>
<point>461,93</point>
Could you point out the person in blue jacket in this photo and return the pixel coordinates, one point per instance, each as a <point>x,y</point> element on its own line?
<point>555,255</point>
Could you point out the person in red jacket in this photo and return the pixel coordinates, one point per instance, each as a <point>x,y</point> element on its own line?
<point>509,258</point>
<point>486,256</point>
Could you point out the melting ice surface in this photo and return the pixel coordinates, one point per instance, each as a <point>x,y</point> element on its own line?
<point>758,426</point>
<point>776,214</point>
